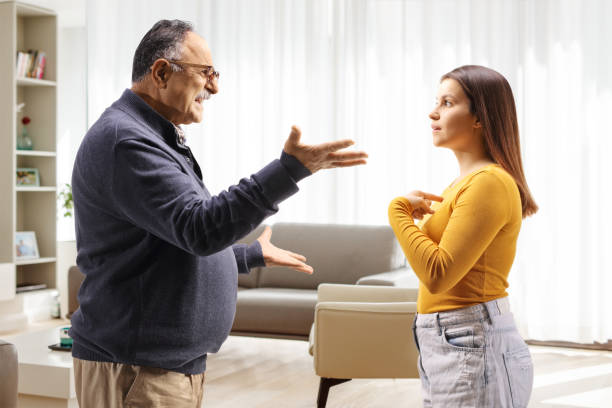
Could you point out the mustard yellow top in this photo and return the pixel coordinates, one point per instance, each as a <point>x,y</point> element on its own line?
<point>462,254</point>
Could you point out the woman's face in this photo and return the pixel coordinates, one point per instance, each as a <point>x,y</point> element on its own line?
<point>453,125</point>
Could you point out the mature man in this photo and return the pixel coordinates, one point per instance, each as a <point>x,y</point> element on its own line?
<point>158,250</point>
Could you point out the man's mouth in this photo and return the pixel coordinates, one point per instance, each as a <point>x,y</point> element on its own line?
<point>203,95</point>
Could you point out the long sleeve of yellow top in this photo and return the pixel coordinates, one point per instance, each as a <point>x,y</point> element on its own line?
<point>463,253</point>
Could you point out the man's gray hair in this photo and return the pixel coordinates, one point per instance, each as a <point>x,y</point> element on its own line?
<point>163,40</point>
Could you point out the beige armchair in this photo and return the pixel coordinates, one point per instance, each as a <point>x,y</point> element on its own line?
<point>362,332</point>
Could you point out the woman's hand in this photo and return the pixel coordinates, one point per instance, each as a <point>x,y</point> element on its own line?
<point>421,203</point>
<point>274,256</point>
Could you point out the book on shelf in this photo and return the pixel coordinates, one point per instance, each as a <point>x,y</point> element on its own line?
<point>31,64</point>
<point>28,287</point>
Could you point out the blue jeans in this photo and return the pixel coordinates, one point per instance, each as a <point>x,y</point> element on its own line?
<point>473,357</point>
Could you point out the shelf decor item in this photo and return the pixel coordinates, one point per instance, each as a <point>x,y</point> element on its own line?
<point>31,64</point>
<point>27,177</point>
<point>24,142</point>
<point>25,245</point>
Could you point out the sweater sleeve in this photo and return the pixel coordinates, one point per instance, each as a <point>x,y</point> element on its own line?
<point>248,256</point>
<point>480,210</point>
<point>152,191</point>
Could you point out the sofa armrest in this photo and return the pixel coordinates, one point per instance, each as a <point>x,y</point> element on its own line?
<point>379,333</point>
<point>330,292</point>
<point>403,277</point>
<point>8,375</point>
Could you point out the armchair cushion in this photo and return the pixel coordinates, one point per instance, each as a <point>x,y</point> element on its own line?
<point>403,277</point>
<point>329,292</point>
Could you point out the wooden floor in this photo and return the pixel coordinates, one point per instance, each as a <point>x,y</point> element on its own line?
<point>253,372</point>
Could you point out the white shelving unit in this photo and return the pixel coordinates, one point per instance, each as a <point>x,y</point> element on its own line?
<point>24,27</point>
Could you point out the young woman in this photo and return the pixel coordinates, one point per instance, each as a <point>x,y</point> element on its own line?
<point>471,354</point>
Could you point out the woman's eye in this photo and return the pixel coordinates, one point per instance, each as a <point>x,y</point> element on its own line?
<point>447,103</point>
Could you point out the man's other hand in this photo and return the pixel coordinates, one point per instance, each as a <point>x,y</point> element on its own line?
<point>324,155</point>
<point>274,256</point>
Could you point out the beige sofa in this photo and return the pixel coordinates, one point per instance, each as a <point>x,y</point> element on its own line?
<point>280,302</point>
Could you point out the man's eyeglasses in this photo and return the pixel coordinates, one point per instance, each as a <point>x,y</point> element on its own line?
<point>207,70</point>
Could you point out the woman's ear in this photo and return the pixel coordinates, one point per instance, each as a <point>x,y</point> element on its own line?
<point>477,124</point>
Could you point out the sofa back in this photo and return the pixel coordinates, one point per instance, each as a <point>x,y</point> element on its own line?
<point>338,254</point>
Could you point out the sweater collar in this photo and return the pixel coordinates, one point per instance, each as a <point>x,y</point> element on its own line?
<point>136,107</point>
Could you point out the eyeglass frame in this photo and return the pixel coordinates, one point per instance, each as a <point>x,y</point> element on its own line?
<point>212,74</point>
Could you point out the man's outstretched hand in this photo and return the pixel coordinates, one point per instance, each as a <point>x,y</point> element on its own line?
<point>274,256</point>
<point>324,155</point>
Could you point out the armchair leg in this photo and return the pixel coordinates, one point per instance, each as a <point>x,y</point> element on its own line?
<point>324,386</point>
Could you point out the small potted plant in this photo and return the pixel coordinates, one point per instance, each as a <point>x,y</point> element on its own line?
<point>65,197</point>
<point>24,142</point>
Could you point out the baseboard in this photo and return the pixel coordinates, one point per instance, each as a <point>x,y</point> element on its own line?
<point>568,344</point>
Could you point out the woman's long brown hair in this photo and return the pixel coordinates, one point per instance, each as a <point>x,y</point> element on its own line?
<point>492,102</point>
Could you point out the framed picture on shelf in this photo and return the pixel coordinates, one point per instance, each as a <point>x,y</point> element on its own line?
<point>27,177</point>
<point>25,245</point>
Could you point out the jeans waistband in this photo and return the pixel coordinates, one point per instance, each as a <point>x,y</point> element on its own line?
<point>482,311</point>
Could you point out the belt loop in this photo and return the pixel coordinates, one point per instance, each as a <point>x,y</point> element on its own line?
<point>438,324</point>
<point>492,310</point>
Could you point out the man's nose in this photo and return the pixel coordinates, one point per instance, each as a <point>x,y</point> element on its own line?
<point>212,86</point>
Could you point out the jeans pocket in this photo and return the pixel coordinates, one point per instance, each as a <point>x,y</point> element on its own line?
<point>462,337</point>
<point>468,337</point>
<point>519,369</point>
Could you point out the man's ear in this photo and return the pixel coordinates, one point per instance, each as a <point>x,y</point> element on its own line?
<point>160,73</point>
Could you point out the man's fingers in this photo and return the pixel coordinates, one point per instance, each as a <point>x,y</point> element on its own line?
<point>295,135</point>
<point>334,146</point>
<point>306,269</point>
<point>297,256</point>
<point>302,267</point>
<point>347,163</point>
<point>347,155</point>
<point>266,234</point>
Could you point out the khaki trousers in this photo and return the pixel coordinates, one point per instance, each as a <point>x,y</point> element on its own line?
<point>113,385</point>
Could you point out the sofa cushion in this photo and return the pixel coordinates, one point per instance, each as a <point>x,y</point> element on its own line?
<point>275,311</point>
<point>338,254</point>
<point>249,280</point>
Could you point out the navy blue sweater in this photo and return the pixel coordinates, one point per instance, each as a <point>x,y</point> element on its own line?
<point>155,246</point>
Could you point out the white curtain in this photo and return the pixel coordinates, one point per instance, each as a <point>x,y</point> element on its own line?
<point>368,70</point>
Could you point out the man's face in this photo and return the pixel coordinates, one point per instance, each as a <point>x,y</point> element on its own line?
<point>188,88</point>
